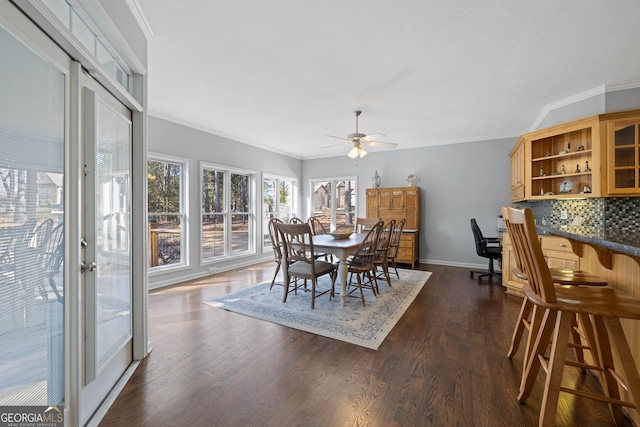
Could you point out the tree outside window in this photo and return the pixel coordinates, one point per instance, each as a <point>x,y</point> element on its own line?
<point>166,215</point>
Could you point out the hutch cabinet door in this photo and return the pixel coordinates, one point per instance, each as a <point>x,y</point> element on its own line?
<point>623,163</point>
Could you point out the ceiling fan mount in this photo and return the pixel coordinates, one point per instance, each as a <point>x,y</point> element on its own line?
<point>358,139</point>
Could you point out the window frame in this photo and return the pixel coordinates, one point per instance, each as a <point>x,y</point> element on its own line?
<point>184,212</point>
<point>228,213</point>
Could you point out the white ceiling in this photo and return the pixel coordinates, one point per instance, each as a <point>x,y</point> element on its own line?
<point>283,74</point>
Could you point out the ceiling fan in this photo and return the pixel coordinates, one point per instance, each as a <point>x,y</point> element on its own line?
<point>359,139</point>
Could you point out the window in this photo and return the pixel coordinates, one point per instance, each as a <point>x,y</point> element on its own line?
<point>277,202</point>
<point>96,45</point>
<point>228,219</point>
<point>333,201</point>
<point>166,187</point>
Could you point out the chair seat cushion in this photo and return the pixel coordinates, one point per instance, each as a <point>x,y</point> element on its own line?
<point>303,268</point>
<point>494,251</point>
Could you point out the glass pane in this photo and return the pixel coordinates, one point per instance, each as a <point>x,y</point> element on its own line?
<point>113,225</point>
<point>625,178</point>
<point>625,136</point>
<point>32,137</point>
<point>285,194</point>
<point>164,240</point>
<point>83,33</point>
<point>240,233</point>
<point>212,191</point>
<point>164,189</point>
<point>212,235</point>
<point>268,208</point>
<point>624,157</point>
<point>60,8</point>
<point>239,193</point>
<point>322,202</point>
<point>346,205</point>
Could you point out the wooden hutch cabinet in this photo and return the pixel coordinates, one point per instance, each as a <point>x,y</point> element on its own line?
<point>597,156</point>
<point>399,203</point>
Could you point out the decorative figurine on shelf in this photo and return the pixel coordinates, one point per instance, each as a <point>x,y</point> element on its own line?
<point>549,154</point>
<point>542,191</point>
<point>563,170</point>
<point>375,180</point>
<point>577,168</point>
<point>410,179</point>
<point>586,168</point>
<point>569,147</point>
<point>581,148</point>
<point>587,190</point>
<point>542,172</point>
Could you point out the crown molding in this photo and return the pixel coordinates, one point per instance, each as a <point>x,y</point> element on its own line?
<point>141,20</point>
<point>600,90</point>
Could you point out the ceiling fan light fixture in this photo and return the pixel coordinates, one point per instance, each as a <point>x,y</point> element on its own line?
<point>357,152</point>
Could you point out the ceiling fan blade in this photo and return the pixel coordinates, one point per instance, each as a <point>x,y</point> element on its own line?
<point>337,137</point>
<point>380,144</point>
<point>374,136</point>
<point>334,145</point>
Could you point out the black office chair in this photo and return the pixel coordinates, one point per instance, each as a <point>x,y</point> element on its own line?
<point>487,247</point>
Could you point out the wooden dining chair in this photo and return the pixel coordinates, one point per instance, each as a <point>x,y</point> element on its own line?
<point>296,220</point>
<point>381,261</point>
<point>276,245</point>
<point>599,309</point>
<point>394,245</point>
<point>560,276</point>
<point>361,264</point>
<point>299,260</point>
<point>316,226</point>
<point>365,224</point>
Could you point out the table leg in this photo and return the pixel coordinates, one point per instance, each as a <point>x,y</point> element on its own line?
<point>342,275</point>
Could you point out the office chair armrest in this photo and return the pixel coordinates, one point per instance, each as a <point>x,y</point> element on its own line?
<point>492,241</point>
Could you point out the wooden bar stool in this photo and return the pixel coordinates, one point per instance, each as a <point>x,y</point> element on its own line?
<point>526,321</point>
<point>601,308</point>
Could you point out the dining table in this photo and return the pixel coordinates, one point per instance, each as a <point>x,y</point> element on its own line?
<point>342,249</point>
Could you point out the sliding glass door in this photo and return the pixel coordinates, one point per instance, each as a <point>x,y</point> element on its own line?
<point>32,214</point>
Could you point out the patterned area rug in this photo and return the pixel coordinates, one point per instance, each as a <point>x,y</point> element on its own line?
<point>364,326</point>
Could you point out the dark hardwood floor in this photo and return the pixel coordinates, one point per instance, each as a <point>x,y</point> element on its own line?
<point>444,364</point>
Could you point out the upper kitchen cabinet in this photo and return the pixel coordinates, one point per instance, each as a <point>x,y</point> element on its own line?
<point>517,171</point>
<point>623,154</point>
<point>597,156</point>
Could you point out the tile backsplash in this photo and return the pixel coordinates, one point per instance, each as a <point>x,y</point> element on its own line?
<point>620,213</point>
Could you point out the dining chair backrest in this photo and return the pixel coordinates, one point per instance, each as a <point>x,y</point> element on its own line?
<point>525,235</point>
<point>297,243</point>
<point>41,234</point>
<point>366,253</point>
<point>295,220</point>
<point>396,236</point>
<point>316,226</point>
<point>384,240</point>
<point>276,241</point>
<point>365,224</point>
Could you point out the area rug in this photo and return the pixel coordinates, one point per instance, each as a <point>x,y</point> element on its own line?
<point>364,326</point>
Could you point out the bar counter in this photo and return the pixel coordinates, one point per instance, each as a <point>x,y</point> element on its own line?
<point>611,238</point>
<point>614,255</point>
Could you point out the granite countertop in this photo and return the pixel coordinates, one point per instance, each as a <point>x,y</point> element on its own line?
<point>622,241</point>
